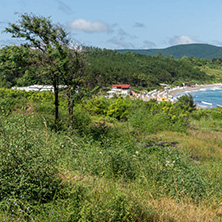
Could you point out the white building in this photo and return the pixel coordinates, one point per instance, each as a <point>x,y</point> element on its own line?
<point>122,90</point>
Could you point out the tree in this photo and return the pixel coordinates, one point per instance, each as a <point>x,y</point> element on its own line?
<point>187,100</point>
<point>14,63</point>
<point>73,78</point>
<point>50,41</point>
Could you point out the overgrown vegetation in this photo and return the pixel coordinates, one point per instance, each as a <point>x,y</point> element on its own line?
<point>114,166</point>
<point>106,67</point>
<point>113,159</point>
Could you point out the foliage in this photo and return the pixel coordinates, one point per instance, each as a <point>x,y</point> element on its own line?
<point>154,117</point>
<point>110,67</point>
<point>120,108</point>
<point>171,170</point>
<point>111,170</point>
<point>27,171</point>
<point>203,51</point>
<point>81,121</point>
<point>15,66</point>
<point>187,100</point>
<point>52,55</point>
<point>98,105</point>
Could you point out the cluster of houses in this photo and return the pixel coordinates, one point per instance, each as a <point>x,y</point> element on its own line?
<point>121,90</point>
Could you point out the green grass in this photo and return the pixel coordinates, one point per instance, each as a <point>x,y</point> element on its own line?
<point>108,168</point>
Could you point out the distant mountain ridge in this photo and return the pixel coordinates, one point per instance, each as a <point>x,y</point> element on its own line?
<point>204,51</point>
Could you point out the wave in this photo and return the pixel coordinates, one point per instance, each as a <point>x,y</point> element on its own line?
<point>206,103</point>
<point>216,88</point>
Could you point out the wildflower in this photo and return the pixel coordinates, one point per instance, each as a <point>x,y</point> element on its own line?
<point>52,212</point>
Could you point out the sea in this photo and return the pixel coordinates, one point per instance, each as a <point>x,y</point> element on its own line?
<point>207,97</point>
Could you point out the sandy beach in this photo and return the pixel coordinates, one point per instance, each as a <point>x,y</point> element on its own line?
<point>177,90</point>
<point>171,94</point>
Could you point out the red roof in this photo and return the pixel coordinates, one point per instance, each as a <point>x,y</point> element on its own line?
<point>121,86</point>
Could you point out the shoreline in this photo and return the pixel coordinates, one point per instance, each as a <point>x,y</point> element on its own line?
<point>176,91</point>
<point>173,93</point>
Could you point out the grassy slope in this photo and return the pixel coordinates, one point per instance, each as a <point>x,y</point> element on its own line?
<point>216,72</point>
<point>98,196</point>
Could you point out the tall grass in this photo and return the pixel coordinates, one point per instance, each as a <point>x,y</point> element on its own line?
<point>110,168</point>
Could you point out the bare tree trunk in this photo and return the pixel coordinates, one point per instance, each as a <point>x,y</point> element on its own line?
<point>70,107</point>
<point>56,94</point>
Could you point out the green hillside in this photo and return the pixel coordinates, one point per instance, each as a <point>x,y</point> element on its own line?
<point>204,51</point>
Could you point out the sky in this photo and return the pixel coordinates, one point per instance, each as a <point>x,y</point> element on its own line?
<point>124,24</point>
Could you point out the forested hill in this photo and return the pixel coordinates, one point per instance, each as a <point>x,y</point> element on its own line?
<point>109,67</point>
<point>105,67</point>
<point>203,51</point>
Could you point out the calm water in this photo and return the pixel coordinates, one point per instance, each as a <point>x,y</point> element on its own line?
<point>208,98</point>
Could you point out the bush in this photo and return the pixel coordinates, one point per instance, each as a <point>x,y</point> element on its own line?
<point>187,101</point>
<point>120,108</point>
<point>81,121</point>
<point>158,117</point>
<point>97,106</point>
<point>24,167</point>
<point>216,115</point>
<point>173,172</point>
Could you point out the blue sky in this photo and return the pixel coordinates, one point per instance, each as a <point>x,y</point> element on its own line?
<point>118,24</point>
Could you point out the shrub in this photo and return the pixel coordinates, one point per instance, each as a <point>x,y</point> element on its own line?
<point>98,105</point>
<point>187,101</point>
<point>216,115</point>
<point>24,168</point>
<point>164,116</point>
<point>173,172</point>
<point>81,121</point>
<point>120,108</point>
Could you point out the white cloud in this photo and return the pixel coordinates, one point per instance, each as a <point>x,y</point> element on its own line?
<point>216,43</point>
<point>121,43</point>
<point>123,34</point>
<point>88,26</point>
<point>148,45</point>
<point>63,7</point>
<point>138,25</point>
<point>183,39</point>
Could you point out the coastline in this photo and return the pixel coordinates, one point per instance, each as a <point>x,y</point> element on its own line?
<point>171,94</point>
<point>178,90</point>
